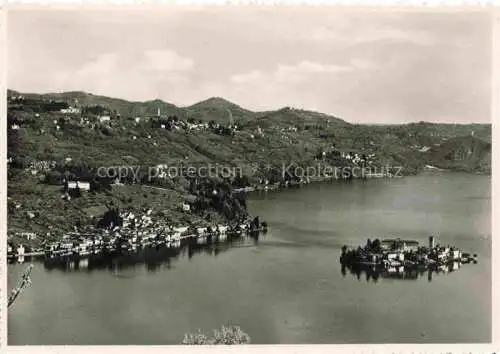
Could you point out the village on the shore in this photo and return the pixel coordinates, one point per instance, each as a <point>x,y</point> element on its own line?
<point>132,233</point>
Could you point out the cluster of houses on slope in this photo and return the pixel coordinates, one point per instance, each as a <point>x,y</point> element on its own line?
<point>70,110</point>
<point>356,156</point>
<point>41,166</point>
<point>107,120</point>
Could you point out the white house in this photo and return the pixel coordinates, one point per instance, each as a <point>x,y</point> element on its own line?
<point>201,230</point>
<point>28,235</point>
<point>395,256</point>
<point>222,229</point>
<point>410,246</point>
<point>70,110</point>
<point>181,229</point>
<point>103,119</point>
<point>83,186</point>
<point>176,236</point>
<point>20,250</point>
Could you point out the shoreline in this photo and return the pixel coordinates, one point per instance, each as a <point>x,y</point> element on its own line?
<point>97,246</point>
<point>192,219</point>
<point>278,186</point>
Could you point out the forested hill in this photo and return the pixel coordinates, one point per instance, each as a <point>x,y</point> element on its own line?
<point>54,138</point>
<point>274,136</point>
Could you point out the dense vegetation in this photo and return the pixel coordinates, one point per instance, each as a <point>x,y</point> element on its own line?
<point>227,335</point>
<point>47,148</point>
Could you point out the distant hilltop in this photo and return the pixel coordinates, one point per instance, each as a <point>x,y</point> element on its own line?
<point>285,134</point>
<point>211,108</point>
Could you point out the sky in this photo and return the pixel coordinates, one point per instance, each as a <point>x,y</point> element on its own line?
<point>365,66</point>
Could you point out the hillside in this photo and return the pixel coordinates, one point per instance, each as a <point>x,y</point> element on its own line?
<point>262,134</point>
<point>219,110</point>
<point>46,146</point>
<point>461,153</point>
<point>120,106</point>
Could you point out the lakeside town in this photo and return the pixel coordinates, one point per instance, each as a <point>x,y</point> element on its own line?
<point>132,234</point>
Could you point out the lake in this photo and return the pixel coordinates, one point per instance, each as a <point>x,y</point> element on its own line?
<point>287,286</point>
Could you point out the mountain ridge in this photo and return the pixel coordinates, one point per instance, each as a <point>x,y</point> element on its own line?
<point>215,103</point>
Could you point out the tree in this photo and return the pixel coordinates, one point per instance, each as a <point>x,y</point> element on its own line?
<point>110,217</point>
<point>226,336</point>
<point>14,142</point>
<point>54,178</point>
<point>241,181</point>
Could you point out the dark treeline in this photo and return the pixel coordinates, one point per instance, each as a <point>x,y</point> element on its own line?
<point>38,106</point>
<point>217,194</point>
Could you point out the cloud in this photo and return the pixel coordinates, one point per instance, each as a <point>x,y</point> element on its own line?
<point>249,77</point>
<point>299,72</point>
<point>401,59</point>
<point>370,35</point>
<point>282,85</point>
<point>100,66</point>
<point>142,74</point>
<point>323,34</point>
<point>166,60</point>
<point>395,34</point>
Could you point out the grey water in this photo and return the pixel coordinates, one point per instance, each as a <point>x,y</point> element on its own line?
<point>287,286</point>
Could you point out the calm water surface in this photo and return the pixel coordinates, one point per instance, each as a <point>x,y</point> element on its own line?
<point>287,286</point>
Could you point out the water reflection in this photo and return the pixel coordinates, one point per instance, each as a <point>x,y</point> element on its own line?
<point>374,273</point>
<point>153,257</point>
